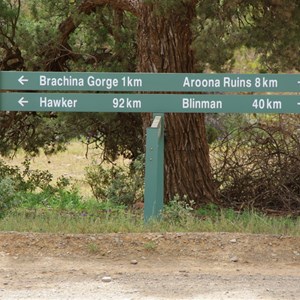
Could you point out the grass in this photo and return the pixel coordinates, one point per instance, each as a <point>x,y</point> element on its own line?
<point>65,222</point>
<point>75,211</point>
<point>70,164</point>
<point>125,221</point>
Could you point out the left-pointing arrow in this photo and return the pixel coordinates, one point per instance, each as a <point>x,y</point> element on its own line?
<point>22,102</point>
<point>22,80</point>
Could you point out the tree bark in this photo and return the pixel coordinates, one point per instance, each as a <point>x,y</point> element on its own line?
<point>164,44</point>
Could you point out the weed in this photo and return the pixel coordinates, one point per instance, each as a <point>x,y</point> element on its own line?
<point>178,210</point>
<point>7,195</point>
<point>93,248</point>
<point>43,219</point>
<point>118,184</point>
<point>210,210</point>
<point>150,246</point>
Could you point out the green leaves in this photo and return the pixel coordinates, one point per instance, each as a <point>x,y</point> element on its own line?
<point>270,27</point>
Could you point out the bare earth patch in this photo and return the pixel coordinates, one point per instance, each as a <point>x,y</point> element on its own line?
<point>149,266</point>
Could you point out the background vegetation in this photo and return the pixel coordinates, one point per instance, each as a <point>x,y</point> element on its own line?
<point>255,159</point>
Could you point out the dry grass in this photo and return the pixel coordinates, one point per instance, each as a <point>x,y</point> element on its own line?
<point>70,164</point>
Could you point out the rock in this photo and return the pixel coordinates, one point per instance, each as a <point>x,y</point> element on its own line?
<point>233,241</point>
<point>106,279</point>
<point>134,262</point>
<point>234,259</point>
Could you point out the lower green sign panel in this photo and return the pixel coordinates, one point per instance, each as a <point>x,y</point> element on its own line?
<point>181,103</point>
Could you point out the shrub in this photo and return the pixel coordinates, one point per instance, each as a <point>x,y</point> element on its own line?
<point>28,187</point>
<point>257,165</point>
<point>118,184</point>
<point>178,210</point>
<point>7,195</point>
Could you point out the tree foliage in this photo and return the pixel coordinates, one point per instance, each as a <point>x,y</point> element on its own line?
<point>102,42</point>
<point>273,31</point>
<point>11,57</point>
<point>105,40</point>
<point>270,27</point>
<point>102,35</point>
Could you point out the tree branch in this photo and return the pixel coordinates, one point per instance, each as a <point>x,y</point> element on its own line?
<point>59,57</point>
<point>89,6</point>
<point>128,5</point>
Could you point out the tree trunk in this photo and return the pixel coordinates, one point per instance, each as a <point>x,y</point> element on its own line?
<point>164,44</point>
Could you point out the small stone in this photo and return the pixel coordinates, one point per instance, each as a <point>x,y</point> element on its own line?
<point>106,279</point>
<point>233,241</point>
<point>234,259</point>
<point>134,262</point>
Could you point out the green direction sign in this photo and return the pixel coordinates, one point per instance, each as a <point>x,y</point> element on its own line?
<point>175,82</point>
<point>182,103</point>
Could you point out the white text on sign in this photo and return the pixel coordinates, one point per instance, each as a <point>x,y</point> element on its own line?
<point>90,81</point>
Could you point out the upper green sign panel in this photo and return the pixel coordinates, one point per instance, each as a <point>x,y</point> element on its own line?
<point>149,82</point>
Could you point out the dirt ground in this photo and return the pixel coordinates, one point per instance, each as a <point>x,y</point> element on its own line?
<point>149,266</point>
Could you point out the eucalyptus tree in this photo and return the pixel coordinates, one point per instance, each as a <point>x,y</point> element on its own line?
<point>11,57</point>
<point>164,39</point>
<point>163,36</point>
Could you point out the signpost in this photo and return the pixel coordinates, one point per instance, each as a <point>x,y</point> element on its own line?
<point>154,170</point>
<point>149,82</point>
<point>180,103</point>
<point>127,92</point>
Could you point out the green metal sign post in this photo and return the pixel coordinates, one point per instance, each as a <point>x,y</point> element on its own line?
<point>127,92</point>
<point>154,170</point>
